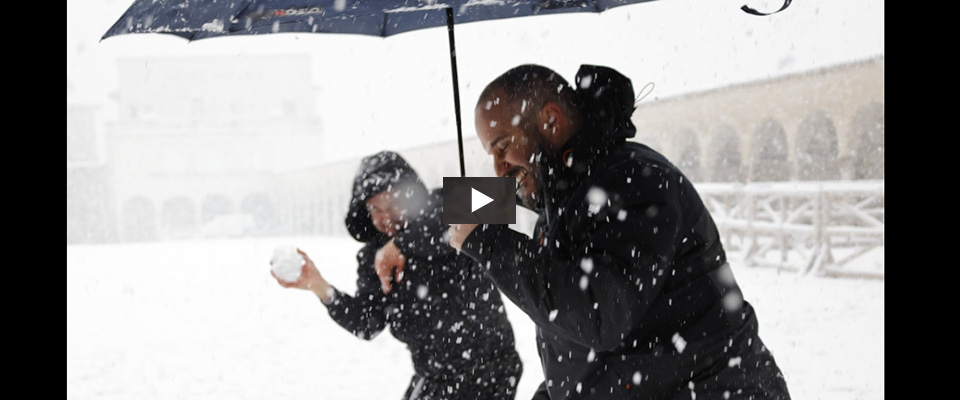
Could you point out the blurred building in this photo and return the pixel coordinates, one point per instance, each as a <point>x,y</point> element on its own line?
<point>90,216</point>
<point>818,125</point>
<point>198,139</point>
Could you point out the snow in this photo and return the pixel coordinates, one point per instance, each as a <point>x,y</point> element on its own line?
<point>205,320</point>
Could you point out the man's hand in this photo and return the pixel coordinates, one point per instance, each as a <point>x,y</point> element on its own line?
<point>388,263</point>
<point>458,233</point>
<point>310,279</point>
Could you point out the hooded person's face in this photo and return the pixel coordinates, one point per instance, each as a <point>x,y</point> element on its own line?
<point>508,136</point>
<point>387,212</point>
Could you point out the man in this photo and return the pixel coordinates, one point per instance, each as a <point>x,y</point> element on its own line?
<point>444,309</point>
<point>625,277</point>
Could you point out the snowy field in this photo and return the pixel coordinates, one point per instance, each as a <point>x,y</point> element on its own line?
<point>205,320</point>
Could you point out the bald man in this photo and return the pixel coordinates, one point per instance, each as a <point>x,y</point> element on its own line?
<point>626,277</point>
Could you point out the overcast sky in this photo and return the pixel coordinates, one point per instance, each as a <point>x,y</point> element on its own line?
<point>379,87</point>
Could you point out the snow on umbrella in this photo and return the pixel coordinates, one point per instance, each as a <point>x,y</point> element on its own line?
<point>201,19</point>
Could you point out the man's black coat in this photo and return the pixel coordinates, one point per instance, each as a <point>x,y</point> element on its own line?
<point>626,278</point>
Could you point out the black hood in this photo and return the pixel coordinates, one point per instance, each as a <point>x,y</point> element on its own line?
<point>379,172</point>
<point>606,100</point>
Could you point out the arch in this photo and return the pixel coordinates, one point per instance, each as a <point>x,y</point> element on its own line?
<point>139,220</point>
<point>688,153</point>
<point>213,206</point>
<point>768,152</point>
<point>817,148</point>
<point>261,208</point>
<point>868,150</point>
<point>178,217</point>
<point>723,159</point>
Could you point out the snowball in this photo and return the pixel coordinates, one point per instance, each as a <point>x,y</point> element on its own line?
<point>287,263</point>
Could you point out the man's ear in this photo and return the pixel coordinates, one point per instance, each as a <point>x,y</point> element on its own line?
<point>549,120</point>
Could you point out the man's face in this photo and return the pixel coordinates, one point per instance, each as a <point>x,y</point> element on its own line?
<point>387,212</point>
<point>511,140</point>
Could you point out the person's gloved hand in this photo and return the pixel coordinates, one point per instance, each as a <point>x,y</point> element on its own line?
<point>389,263</point>
<point>458,233</point>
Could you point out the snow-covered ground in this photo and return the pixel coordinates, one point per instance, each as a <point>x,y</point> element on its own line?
<point>205,320</point>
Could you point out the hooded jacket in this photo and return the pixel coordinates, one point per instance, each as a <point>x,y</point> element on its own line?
<point>626,277</point>
<point>445,310</point>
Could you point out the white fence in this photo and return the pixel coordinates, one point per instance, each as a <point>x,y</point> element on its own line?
<point>809,227</point>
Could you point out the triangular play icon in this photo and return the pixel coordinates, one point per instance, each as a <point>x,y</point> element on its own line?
<point>478,199</point>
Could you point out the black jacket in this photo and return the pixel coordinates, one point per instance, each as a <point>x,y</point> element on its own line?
<point>445,310</point>
<point>626,278</point>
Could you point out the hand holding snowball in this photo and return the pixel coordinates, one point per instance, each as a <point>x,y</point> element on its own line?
<point>310,279</point>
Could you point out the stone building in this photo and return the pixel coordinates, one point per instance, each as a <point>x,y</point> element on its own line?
<point>819,125</point>
<point>198,140</point>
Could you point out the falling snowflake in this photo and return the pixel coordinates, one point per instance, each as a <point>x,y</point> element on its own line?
<point>586,81</point>
<point>679,342</point>
<point>553,315</point>
<point>732,301</point>
<point>586,264</point>
<point>597,198</point>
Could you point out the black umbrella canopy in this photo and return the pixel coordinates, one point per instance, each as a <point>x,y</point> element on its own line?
<point>198,19</point>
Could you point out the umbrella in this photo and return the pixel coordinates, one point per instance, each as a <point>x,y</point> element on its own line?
<point>201,19</point>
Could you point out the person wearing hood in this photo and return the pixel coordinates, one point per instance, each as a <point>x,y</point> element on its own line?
<point>625,278</point>
<point>449,315</point>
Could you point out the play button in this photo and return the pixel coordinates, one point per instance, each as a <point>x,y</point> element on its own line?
<point>479,200</point>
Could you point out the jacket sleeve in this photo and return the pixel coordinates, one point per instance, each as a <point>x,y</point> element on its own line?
<point>363,314</point>
<point>602,273</point>
<point>423,234</point>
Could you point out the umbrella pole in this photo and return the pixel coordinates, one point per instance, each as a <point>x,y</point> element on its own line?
<point>456,88</point>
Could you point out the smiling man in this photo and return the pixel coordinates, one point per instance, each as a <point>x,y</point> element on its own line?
<point>625,277</point>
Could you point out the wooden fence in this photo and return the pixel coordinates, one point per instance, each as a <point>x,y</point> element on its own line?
<point>822,227</point>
